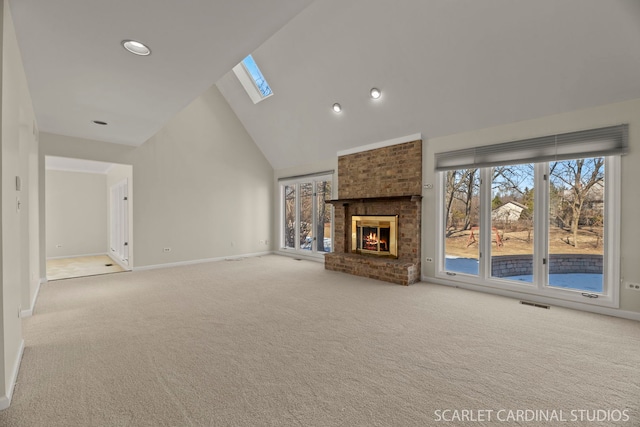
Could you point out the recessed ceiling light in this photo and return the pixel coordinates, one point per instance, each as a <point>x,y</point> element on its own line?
<point>100,122</point>
<point>136,47</point>
<point>337,107</point>
<point>375,93</point>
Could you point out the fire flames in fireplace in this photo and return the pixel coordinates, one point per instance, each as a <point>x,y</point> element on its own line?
<point>371,241</point>
<point>375,235</point>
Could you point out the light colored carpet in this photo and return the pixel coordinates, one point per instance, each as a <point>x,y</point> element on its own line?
<point>66,268</point>
<point>272,341</point>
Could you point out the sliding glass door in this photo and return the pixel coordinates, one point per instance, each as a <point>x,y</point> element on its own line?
<point>306,218</point>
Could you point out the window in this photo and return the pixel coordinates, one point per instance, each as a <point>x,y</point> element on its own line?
<point>576,224</point>
<point>512,226</point>
<point>462,204</point>
<point>252,79</point>
<point>306,218</point>
<point>513,218</point>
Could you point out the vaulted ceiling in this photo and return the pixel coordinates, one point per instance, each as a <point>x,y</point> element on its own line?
<point>78,71</point>
<point>444,66</point>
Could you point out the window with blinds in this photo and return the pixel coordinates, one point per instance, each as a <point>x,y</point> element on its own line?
<point>538,216</point>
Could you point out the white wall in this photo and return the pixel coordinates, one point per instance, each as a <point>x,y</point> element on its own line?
<point>612,114</point>
<point>29,293</point>
<point>76,213</point>
<point>19,147</point>
<point>201,186</point>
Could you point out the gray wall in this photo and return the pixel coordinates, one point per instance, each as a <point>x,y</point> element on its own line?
<point>76,213</point>
<point>201,186</point>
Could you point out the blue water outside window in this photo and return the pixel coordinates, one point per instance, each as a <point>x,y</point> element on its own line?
<point>256,75</point>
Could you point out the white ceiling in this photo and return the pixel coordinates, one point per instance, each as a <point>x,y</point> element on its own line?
<point>78,71</point>
<point>444,66</point>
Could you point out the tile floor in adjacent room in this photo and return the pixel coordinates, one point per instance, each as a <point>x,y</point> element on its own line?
<point>67,268</point>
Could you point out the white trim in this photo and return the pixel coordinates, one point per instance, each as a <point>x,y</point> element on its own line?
<point>29,312</point>
<point>5,401</point>
<point>381,144</point>
<point>292,253</point>
<point>76,256</point>
<point>55,168</point>
<point>598,309</point>
<point>612,229</point>
<point>120,263</point>
<point>200,261</point>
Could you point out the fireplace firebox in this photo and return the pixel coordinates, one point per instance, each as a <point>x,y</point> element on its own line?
<point>375,235</point>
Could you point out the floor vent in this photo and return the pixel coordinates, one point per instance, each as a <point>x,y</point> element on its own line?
<point>535,304</point>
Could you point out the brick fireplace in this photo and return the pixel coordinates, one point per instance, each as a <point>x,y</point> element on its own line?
<point>382,182</point>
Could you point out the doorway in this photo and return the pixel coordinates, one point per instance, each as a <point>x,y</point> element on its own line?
<point>88,217</point>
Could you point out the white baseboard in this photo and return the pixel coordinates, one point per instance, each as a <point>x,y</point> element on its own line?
<point>29,312</point>
<point>298,255</point>
<point>624,314</point>
<point>5,401</point>
<point>76,256</point>
<point>199,261</point>
<point>120,263</point>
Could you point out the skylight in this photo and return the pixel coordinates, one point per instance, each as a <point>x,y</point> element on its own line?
<point>253,70</point>
<point>252,79</point>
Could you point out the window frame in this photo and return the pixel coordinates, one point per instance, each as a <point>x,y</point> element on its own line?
<point>610,296</point>
<point>297,182</point>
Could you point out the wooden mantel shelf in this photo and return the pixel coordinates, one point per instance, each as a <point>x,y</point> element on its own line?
<point>413,198</point>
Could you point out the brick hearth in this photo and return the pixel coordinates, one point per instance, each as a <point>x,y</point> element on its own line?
<point>383,181</point>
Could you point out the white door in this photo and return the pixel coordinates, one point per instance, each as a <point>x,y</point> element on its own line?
<point>120,221</point>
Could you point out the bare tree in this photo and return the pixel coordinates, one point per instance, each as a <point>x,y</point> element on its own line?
<point>289,216</point>
<point>323,189</point>
<point>576,179</point>
<point>471,185</point>
<point>460,187</point>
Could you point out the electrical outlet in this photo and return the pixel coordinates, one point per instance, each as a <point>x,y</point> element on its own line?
<point>633,286</point>
<point>429,259</point>
<point>166,250</point>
